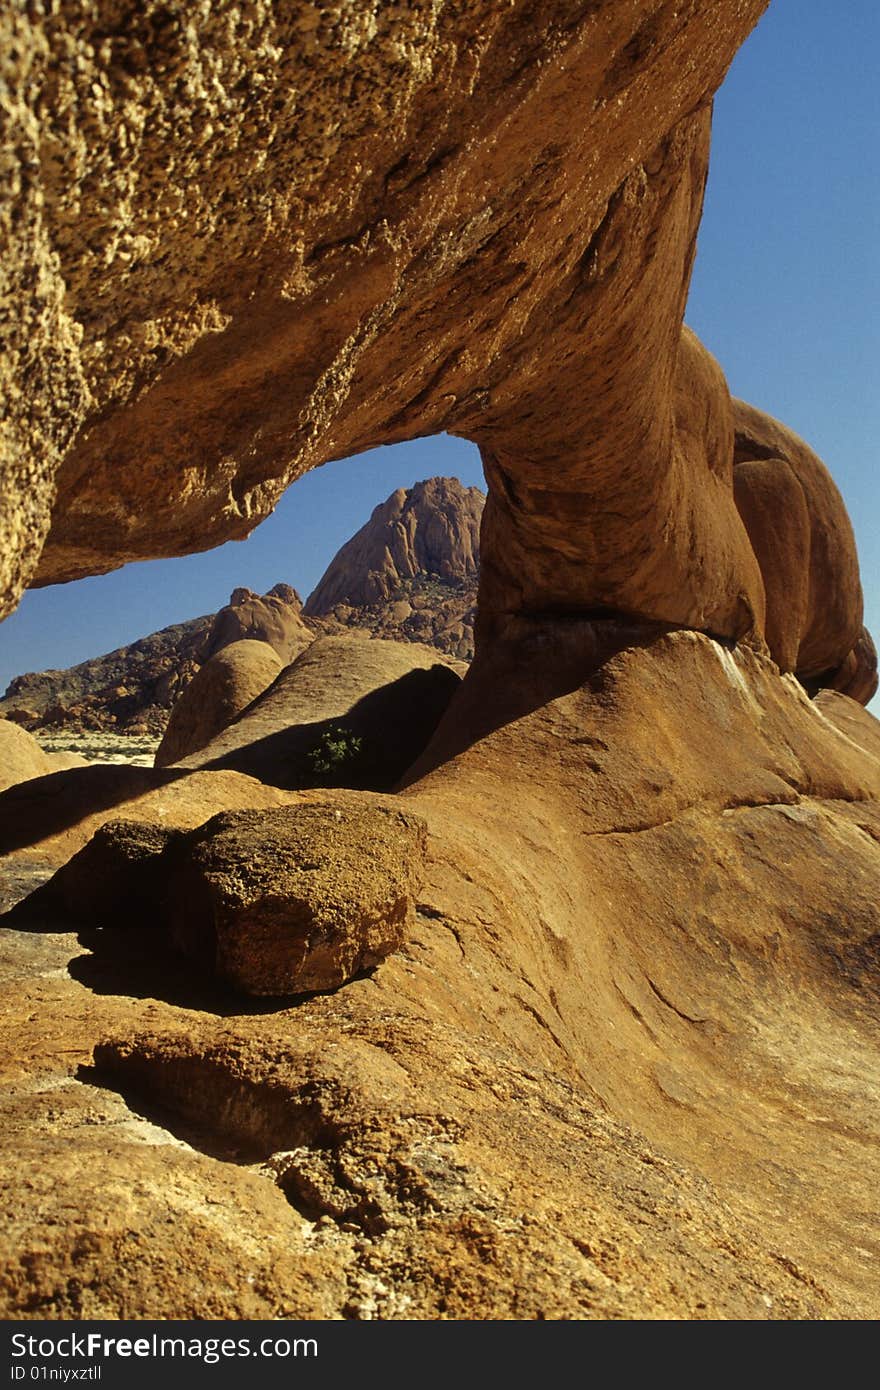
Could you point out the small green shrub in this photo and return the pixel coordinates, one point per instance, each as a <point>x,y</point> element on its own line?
<point>336,749</point>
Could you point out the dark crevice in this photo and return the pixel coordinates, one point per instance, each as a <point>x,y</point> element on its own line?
<point>688,1018</point>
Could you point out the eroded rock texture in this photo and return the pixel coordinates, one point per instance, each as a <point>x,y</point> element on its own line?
<point>282,236</point>
<point>134,687</point>
<point>628,1048</point>
<point>623,1065</point>
<point>432,529</point>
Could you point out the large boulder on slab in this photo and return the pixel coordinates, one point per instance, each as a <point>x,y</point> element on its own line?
<point>217,693</point>
<point>350,711</point>
<point>298,900</point>
<point>622,1065</point>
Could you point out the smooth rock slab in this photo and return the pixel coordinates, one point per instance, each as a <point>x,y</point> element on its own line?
<point>299,899</point>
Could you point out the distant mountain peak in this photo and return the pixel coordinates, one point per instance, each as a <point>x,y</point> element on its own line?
<point>428,531</point>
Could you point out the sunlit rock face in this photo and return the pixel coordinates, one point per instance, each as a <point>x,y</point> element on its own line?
<point>265,237</point>
<point>618,1056</point>
<point>253,240</point>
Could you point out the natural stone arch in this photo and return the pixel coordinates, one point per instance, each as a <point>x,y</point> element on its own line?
<point>268,237</point>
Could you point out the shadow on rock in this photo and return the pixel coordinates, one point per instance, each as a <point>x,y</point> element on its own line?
<point>144,964</point>
<point>44,806</point>
<point>367,747</point>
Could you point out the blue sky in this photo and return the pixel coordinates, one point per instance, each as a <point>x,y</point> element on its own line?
<point>785,294</point>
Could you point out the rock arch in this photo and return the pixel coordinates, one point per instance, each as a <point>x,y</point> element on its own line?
<point>248,243</point>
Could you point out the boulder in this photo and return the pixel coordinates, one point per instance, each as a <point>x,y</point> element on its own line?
<point>113,882</point>
<point>273,618</point>
<point>298,900</point>
<point>227,683</point>
<point>350,711</point>
<point>21,757</point>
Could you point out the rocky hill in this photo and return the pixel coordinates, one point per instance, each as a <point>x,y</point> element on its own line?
<point>132,690</point>
<point>409,574</point>
<point>431,529</point>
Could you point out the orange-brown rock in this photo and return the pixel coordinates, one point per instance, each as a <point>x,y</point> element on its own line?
<point>296,900</point>
<point>111,882</point>
<point>623,1065</point>
<point>409,574</point>
<point>273,618</point>
<point>137,685</point>
<point>54,815</point>
<point>471,260</point>
<point>220,690</point>
<point>625,1062</point>
<point>22,758</point>
<point>350,711</point>
<point>422,249</point>
<point>804,543</point>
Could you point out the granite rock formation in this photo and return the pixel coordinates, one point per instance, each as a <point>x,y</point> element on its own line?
<point>623,1057</point>
<point>431,530</point>
<point>296,900</point>
<point>350,711</point>
<point>219,691</point>
<point>410,573</point>
<point>501,271</point>
<point>421,251</point>
<point>622,1065</point>
<point>134,688</point>
<point>803,540</point>
<point>274,618</point>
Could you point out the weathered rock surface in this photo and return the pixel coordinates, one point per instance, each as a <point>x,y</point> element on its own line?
<point>624,1064</point>
<point>804,543</point>
<point>423,610</point>
<point>111,882</point>
<point>301,899</point>
<point>409,574</point>
<point>274,618</point>
<point>231,319</point>
<point>219,691</point>
<point>54,816</point>
<point>21,757</point>
<point>350,711</point>
<point>628,1049</point>
<point>273,902</point>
